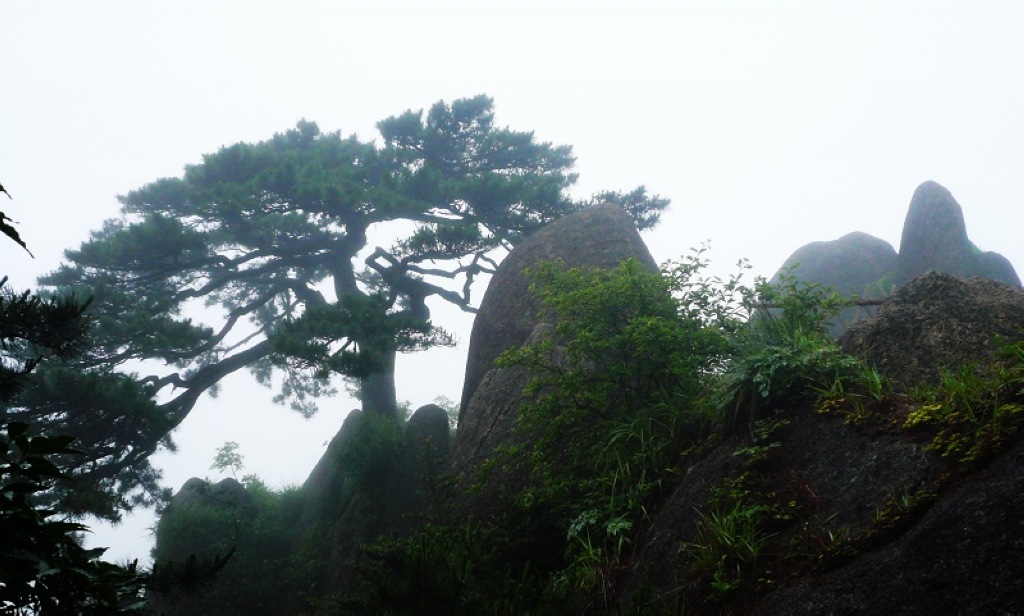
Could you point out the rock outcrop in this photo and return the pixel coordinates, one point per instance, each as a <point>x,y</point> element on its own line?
<point>854,264</point>
<point>873,519</point>
<point>934,239</point>
<point>372,480</point>
<point>600,236</point>
<point>937,322</point>
<point>227,493</point>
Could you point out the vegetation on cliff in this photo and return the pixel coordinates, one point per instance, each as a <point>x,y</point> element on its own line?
<point>646,380</point>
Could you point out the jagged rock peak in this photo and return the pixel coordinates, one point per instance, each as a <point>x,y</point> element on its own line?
<point>934,236</point>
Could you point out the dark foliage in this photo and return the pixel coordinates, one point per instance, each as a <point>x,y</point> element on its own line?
<point>43,567</point>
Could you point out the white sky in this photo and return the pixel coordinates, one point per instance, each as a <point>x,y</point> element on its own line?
<point>769,124</point>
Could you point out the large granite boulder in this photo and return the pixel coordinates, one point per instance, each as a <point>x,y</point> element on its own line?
<point>997,267</point>
<point>937,322</point>
<point>598,236</point>
<point>934,236</point>
<point>601,236</point>
<point>856,263</point>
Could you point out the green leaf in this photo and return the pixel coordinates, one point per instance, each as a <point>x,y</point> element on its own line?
<point>12,233</point>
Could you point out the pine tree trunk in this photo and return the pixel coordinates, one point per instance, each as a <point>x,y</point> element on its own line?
<point>378,390</point>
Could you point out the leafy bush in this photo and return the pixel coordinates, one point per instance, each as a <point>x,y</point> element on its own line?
<point>43,567</point>
<point>727,541</point>
<point>784,352</point>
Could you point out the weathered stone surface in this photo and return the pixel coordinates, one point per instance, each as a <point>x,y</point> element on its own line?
<point>840,477</point>
<point>601,236</point>
<point>598,236</point>
<point>964,556</point>
<point>934,236</point>
<point>854,264</point>
<point>937,322</point>
<point>490,414</point>
<point>199,492</point>
<point>934,239</point>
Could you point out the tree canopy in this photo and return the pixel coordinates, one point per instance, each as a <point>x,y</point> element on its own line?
<point>278,240</point>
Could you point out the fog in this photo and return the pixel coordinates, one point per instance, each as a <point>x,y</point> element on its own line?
<point>768,124</point>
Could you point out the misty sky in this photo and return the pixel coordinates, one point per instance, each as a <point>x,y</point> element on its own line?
<point>769,124</point>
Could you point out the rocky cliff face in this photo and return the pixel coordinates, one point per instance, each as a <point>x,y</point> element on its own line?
<point>870,516</point>
<point>866,514</point>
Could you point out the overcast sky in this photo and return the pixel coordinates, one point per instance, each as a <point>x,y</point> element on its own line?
<point>769,124</point>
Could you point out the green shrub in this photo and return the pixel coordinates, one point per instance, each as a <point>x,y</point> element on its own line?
<point>451,568</point>
<point>728,540</point>
<point>784,353</point>
<point>974,414</point>
<point>618,392</point>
